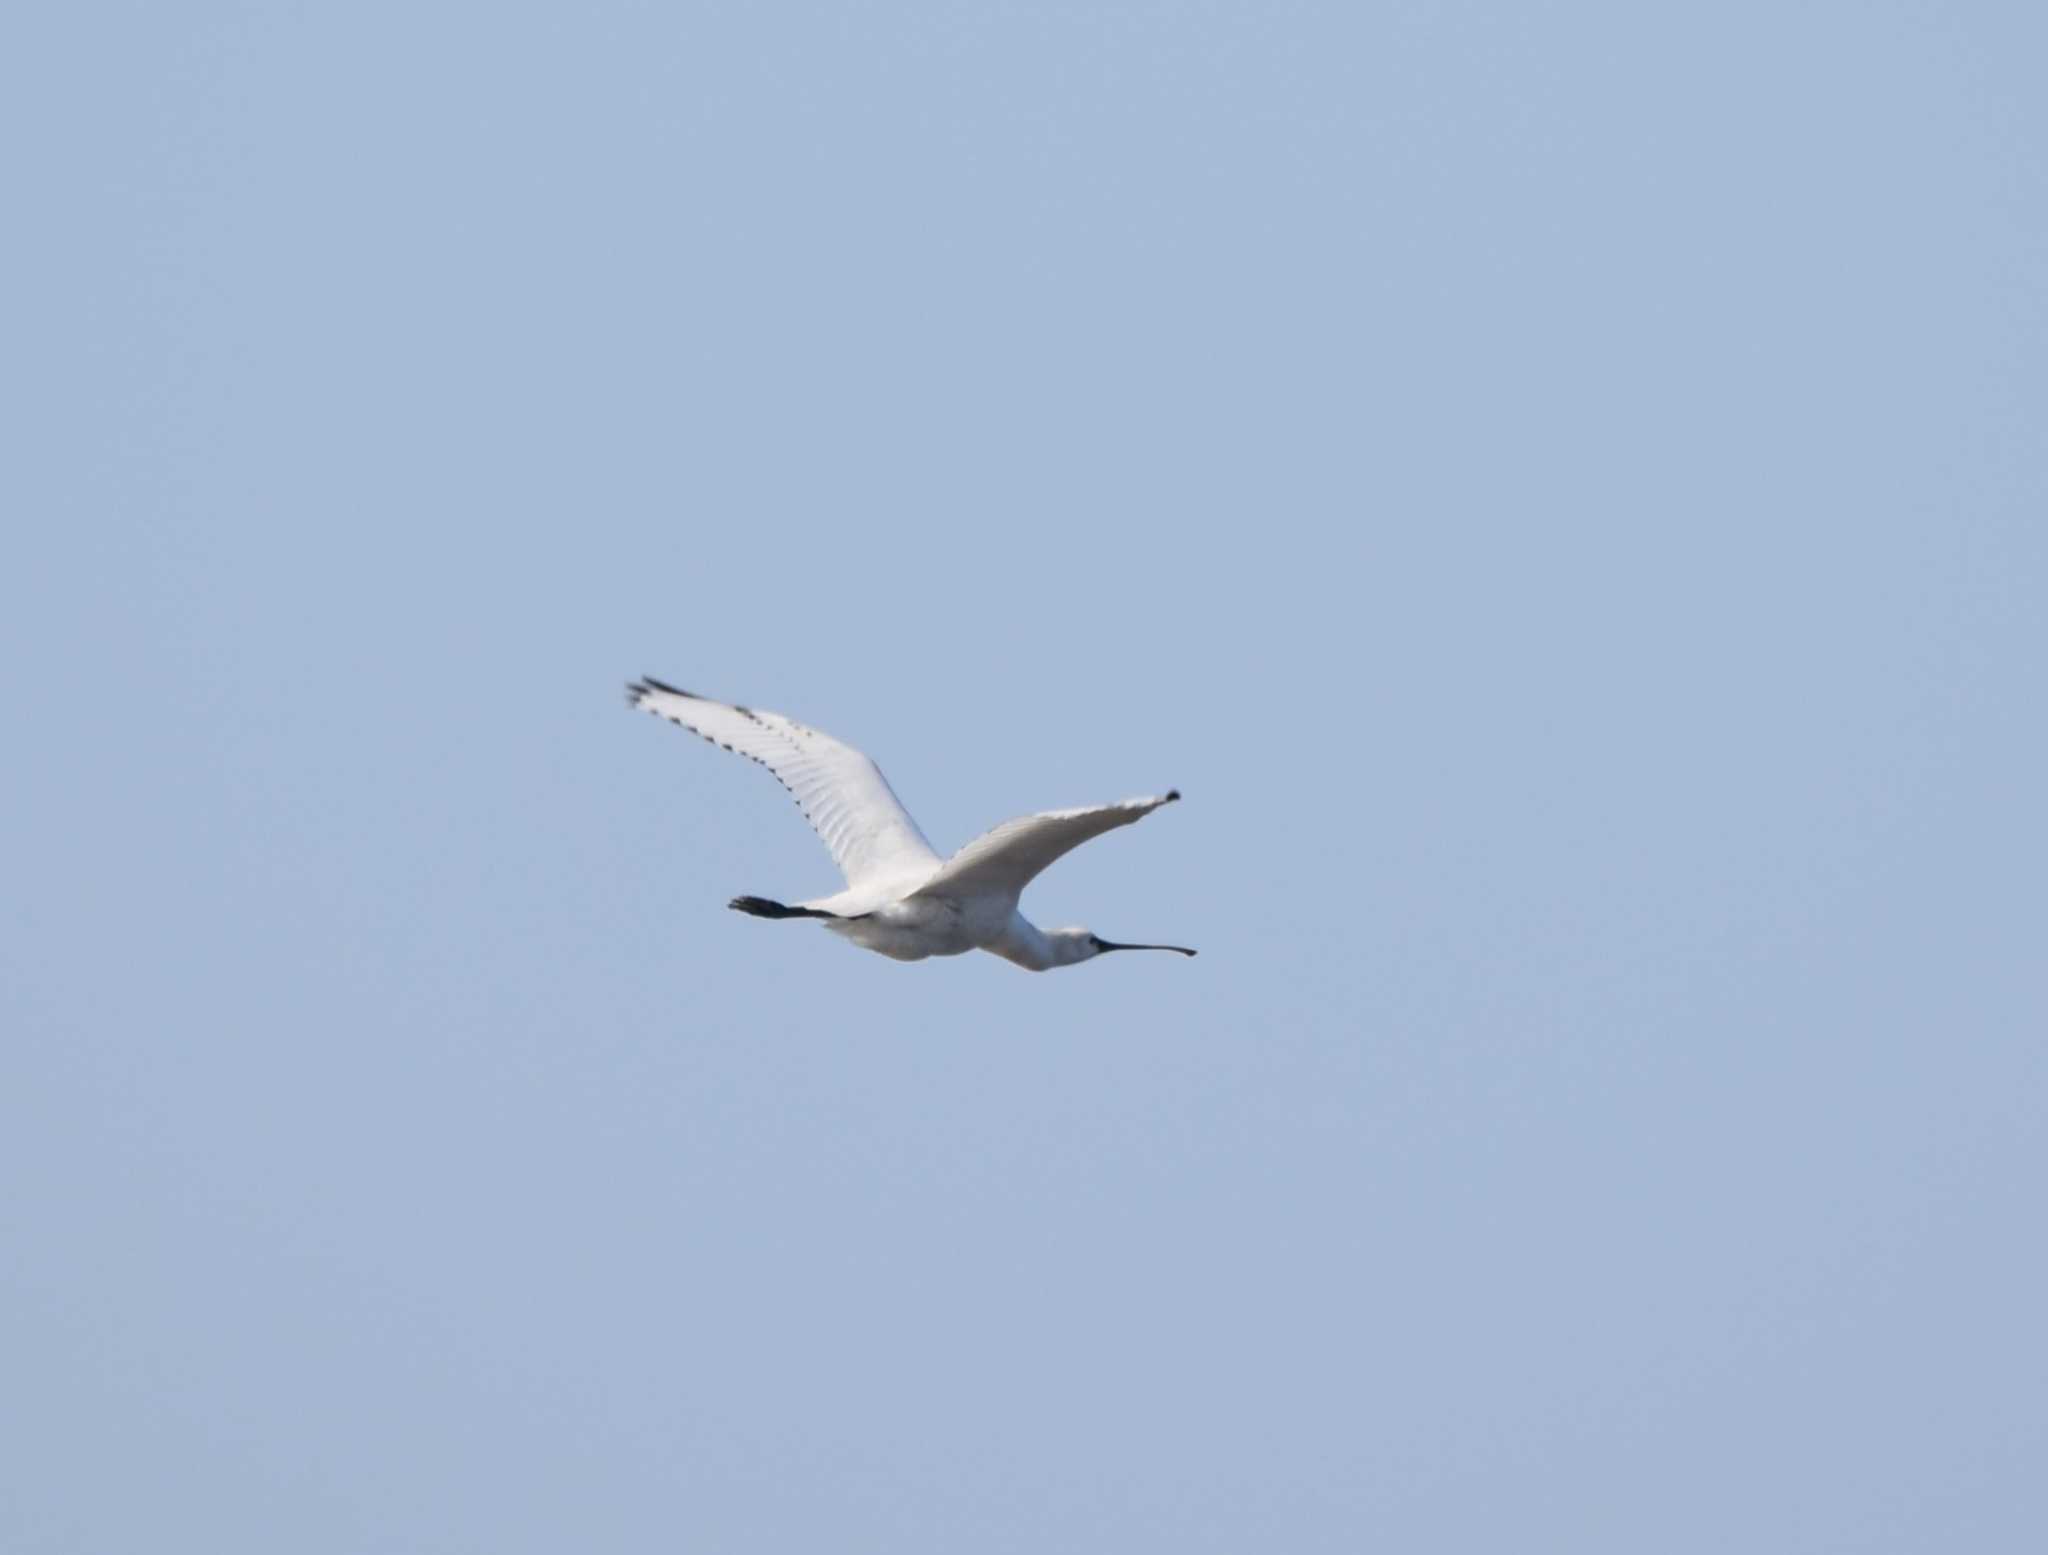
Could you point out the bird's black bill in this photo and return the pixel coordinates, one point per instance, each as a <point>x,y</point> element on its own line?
<point>1106,944</point>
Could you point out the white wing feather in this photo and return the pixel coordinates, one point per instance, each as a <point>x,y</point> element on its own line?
<point>1005,859</point>
<point>840,791</point>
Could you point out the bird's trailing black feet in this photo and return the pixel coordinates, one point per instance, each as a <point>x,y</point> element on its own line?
<point>761,907</point>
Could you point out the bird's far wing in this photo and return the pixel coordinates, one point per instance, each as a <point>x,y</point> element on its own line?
<point>1007,858</point>
<point>841,793</point>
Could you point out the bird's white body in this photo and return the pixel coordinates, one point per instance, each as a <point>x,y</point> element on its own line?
<point>902,899</point>
<point>916,927</point>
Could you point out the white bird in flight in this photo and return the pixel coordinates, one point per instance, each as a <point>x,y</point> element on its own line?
<point>901,898</point>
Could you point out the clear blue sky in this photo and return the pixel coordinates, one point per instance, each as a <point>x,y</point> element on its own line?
<point>1559,487</point>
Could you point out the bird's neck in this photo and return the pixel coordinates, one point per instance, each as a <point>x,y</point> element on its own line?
<point>1025,943</point>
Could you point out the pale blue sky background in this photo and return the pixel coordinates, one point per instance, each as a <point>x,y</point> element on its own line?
<point>1560,487</point>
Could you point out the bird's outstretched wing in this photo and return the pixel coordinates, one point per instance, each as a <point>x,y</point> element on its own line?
<point>1008,857</point>
<point>841,793</point>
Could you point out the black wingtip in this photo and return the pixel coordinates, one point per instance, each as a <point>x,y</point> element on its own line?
<point>1172,794</point>
<point>639,690</point>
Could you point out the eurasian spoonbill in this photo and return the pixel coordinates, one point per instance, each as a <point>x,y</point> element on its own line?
<point>901,898</point>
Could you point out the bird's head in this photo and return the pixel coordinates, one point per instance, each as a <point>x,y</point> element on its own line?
<point>1076,945</point>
